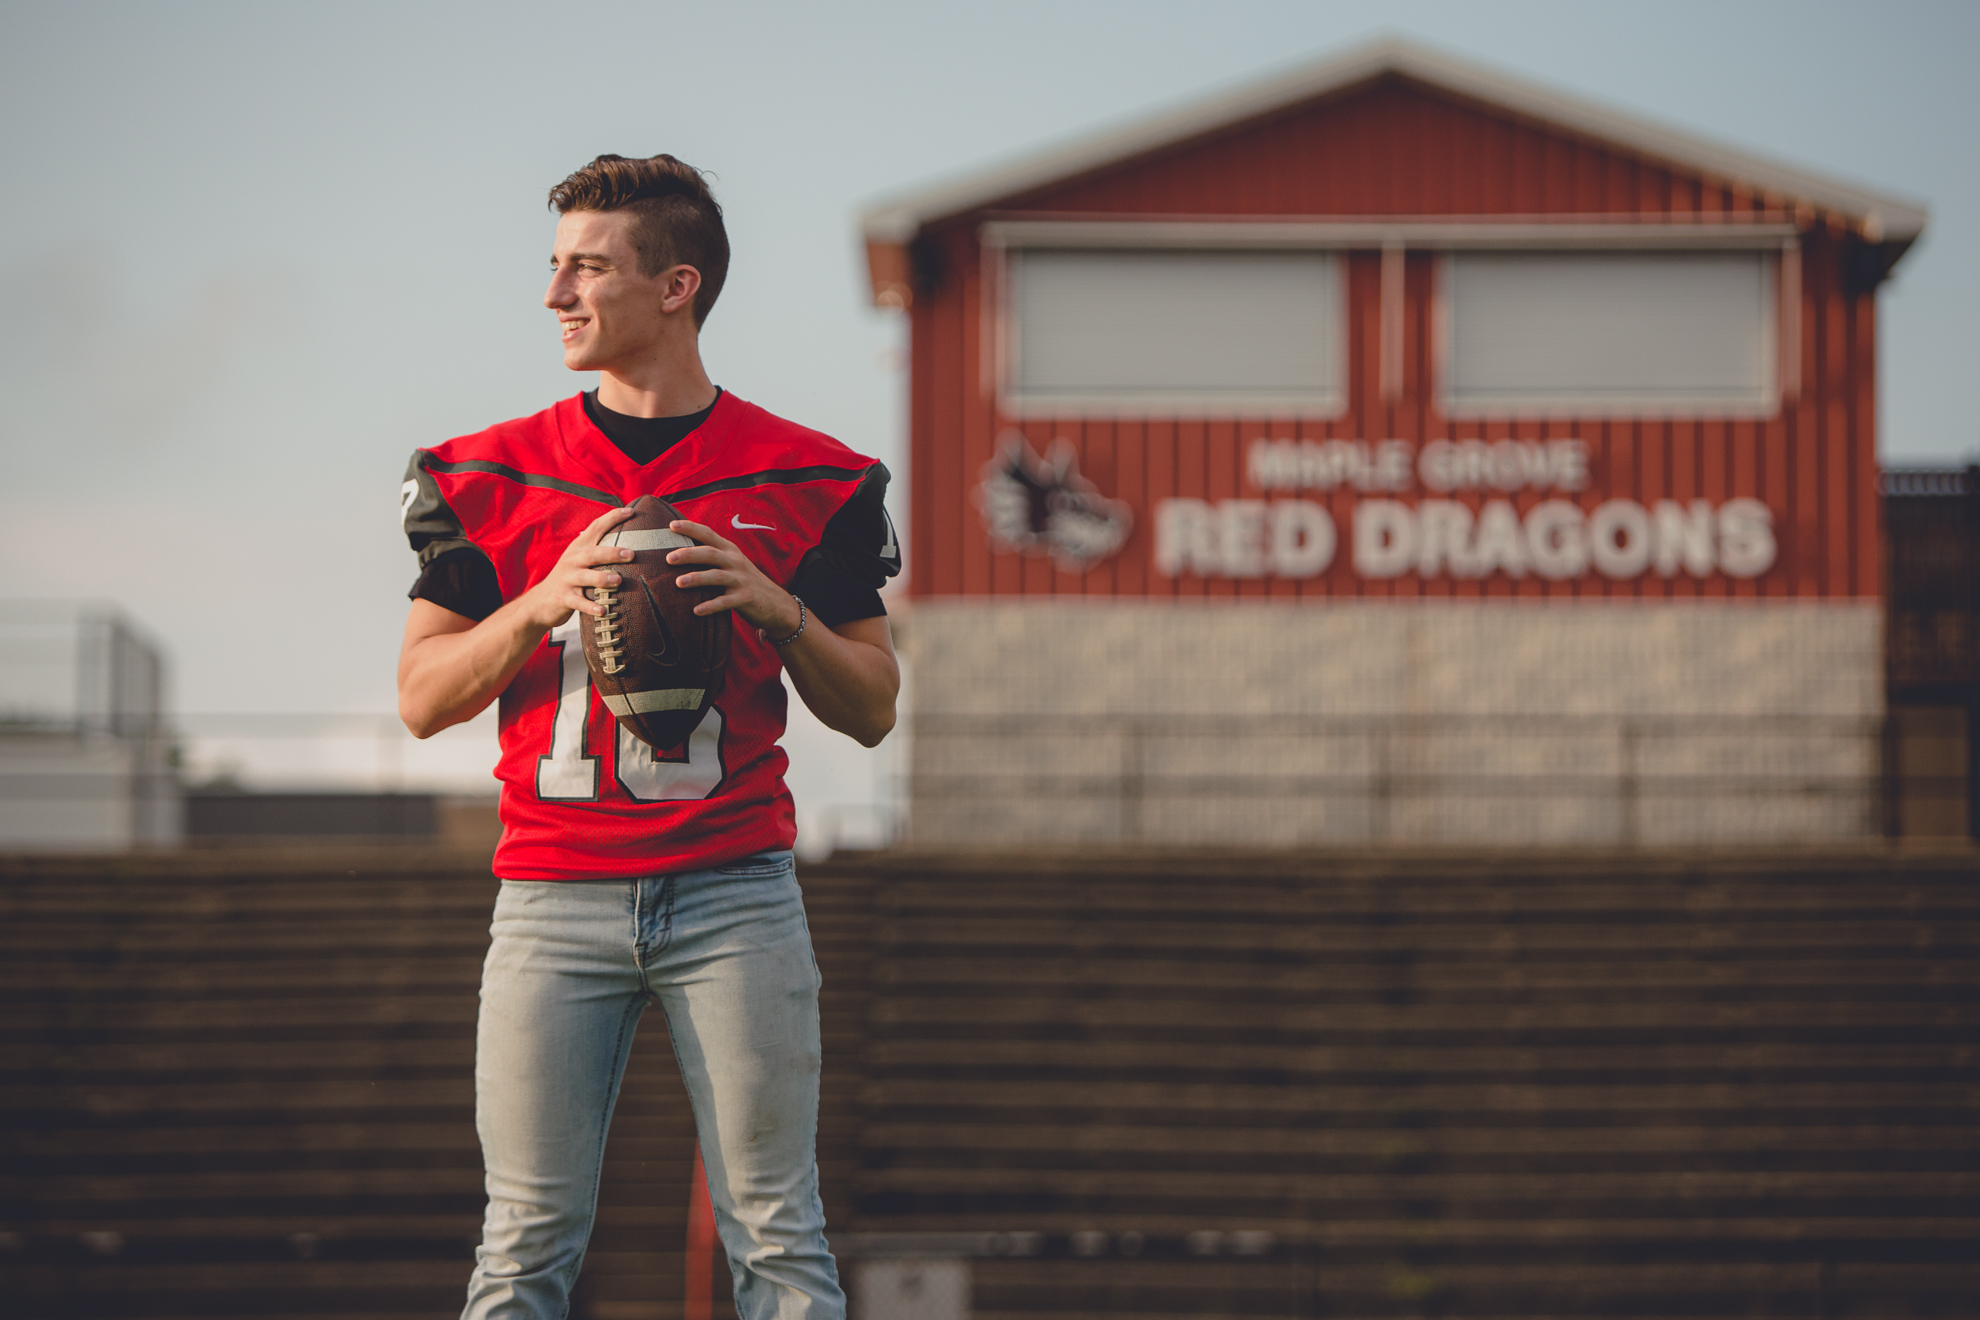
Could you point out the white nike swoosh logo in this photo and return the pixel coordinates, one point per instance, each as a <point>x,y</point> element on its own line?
<point>735,521</point>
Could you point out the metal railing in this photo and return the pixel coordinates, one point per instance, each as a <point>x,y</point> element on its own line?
<point>1609,778</point>
<point>1934,481</point>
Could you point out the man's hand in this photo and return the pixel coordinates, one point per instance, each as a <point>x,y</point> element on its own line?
<point>551,601</point>
<point>846,675</point>
<point>746,590</point>
<point>451,667</point>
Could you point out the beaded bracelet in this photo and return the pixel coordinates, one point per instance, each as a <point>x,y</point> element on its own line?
<point>794,636</point>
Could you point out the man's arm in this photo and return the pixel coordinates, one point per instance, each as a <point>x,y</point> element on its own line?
<point>846,675</point>
<point>451,667</point>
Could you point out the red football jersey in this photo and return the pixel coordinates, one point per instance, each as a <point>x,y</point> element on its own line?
<point>582,798</point>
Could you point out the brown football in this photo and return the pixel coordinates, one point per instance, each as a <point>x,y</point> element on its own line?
<point>657,664</point>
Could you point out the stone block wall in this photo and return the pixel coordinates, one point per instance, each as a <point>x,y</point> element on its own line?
<point>1430,722</point>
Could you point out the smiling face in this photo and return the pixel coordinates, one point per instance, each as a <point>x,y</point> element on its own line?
<point>613,318</point>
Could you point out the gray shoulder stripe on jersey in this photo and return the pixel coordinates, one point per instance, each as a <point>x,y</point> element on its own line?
<point>775,477</point>
<point>517,475</point>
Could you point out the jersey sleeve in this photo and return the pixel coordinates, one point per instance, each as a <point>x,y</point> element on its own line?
<point>455,573</point>
<point>840,578</point>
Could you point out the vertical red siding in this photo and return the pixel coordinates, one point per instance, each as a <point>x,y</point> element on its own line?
<point>1742,473</point>
<point>1866,518</point>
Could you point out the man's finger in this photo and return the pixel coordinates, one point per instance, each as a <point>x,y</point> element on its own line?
<point>726,602</point>
<point>603,523</point>
<point>703,533</point>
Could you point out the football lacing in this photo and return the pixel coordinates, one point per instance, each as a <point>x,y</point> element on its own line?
<point>605,630</point>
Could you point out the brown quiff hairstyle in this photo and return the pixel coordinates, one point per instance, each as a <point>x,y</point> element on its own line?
<point>677,221</point>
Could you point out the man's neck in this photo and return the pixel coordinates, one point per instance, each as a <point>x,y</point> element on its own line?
<point>672,390</point>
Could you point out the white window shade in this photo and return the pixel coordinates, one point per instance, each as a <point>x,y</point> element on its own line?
<point>1172,330</point>
<point>1606,333</point>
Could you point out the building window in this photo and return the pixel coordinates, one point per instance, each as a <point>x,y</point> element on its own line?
<point>1610,333</point>
<point>1173,331</point>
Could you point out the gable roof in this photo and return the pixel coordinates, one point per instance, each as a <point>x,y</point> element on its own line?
<point>1880,218</point>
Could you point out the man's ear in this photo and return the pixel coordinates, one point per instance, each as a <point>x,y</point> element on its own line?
<point>682,283</point>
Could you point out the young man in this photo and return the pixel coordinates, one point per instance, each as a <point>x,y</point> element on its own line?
<point>631,876</point>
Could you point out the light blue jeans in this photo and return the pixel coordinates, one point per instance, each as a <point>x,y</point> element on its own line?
<point>727,955</point>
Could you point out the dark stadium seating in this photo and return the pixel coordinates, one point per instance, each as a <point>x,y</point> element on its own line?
<point>237,1084</point>
<point>1595,1086</point>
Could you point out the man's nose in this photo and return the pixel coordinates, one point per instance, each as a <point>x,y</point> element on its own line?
<point>559,294</point>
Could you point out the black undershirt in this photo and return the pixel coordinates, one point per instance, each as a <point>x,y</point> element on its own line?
<point>643,439</point>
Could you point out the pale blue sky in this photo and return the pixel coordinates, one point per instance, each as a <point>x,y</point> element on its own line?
<point>255,253</point>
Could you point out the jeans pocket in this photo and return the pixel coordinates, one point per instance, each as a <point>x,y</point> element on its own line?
<point>761,866</point>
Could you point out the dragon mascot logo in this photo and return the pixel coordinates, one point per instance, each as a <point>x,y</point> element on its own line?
<point>1042,506</point>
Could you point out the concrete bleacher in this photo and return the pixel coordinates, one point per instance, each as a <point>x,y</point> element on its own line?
<point>1160,1084</point>
<point>1570,1086</point>
<point>239,1083</point>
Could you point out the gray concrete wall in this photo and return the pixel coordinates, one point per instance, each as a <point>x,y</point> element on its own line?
<point>1430,722</point>
<point>89,792</point>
